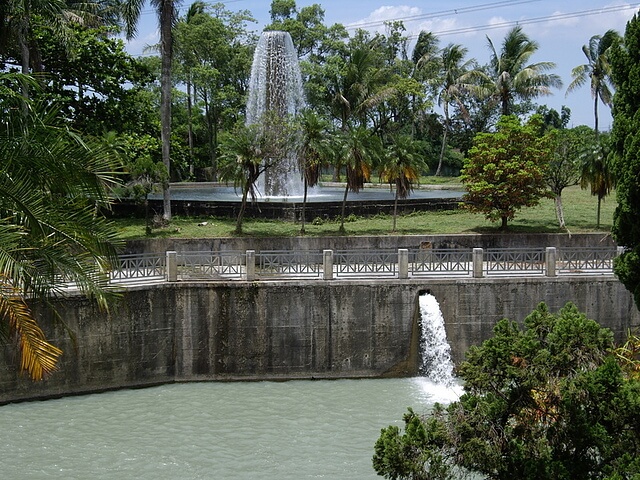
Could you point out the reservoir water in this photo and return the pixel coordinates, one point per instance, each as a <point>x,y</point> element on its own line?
<point>241,430</point>
<point>225,430</point>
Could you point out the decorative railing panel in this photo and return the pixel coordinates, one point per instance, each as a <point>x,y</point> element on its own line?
<point>365,263</point>
<point>148,266</point>
<point>440,262</point>
<point>581,260</point>
<point>275,263</point>
<point>509,261</point>
<point>210,265</point>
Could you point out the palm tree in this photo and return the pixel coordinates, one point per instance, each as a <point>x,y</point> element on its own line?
<point>53,183</point>
<point>315,150</point>
<point>167,16</point>
<point>456,78</point>
<point>597,171</point>
<point>511,77</point>
<point>241,161</point>
<point>597,71</point>
<point>358,152</point>
<point>401,168</point>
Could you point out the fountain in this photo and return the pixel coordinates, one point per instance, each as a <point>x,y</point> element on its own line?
<point>434,348</point>
<point>275,92</point>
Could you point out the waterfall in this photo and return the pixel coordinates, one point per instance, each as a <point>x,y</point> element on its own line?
<point>275,90</point>
<point>435,351</point>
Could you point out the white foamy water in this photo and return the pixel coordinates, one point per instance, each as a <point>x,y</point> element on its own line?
<point>437,365</point>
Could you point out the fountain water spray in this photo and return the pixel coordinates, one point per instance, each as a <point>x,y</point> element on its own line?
<point>437,365</point>
<point>275,92</point>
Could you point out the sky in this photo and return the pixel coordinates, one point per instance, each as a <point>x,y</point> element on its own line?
<point>560,28</point>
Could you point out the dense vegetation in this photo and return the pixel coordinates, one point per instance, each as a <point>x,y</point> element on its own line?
<point>552,400</point>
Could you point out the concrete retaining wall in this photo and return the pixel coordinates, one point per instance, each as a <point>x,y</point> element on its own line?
<point>498,240</point>
<point>238,330</point>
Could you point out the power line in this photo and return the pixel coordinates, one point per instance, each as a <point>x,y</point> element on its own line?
<point>528,21</point>
<point>453,11</point>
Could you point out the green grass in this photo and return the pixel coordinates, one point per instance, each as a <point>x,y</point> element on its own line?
<point>579,208</point>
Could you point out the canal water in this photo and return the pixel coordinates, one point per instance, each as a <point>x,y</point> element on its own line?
<point>240,430</point>
<point>297,429</point>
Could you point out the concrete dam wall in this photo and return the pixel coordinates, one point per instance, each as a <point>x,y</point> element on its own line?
<point>172,332</point>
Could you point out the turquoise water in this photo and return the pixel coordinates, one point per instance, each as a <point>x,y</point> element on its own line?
<point>241,430</point>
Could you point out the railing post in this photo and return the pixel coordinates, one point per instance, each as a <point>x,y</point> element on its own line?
<point>477,257</point>
<point>403,263</point>
<point>327,264</point>
<point>172,266</point>
<point>250,266</point>
<point>550,261</point>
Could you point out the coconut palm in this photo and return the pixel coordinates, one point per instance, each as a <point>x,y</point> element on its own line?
<point>167,11</point>
<point>511,77</point>
<point>359,151</point>
<point>597,71</point>
<point>457,77</point>
<point>53,183</point>
<point>401,169</point>
<point>315,150</point>
<point>597,171</point>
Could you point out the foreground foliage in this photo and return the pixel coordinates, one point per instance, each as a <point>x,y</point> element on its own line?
<point>547,401</point>
<point>53,183</point>
<point>626,146</point>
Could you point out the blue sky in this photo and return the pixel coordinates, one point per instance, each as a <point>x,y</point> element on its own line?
<point>561,28</point>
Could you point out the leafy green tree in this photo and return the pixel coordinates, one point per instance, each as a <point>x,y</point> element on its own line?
<point>214,53</point>
<point>92,98</point>
<point>571,149</point>
<point>511,77</point>
<point>401,168</point>
<point>53,184</point>
<point>597,70</point>
<point>625,136</point>
<point>547,401</point>
<point>505,170</point>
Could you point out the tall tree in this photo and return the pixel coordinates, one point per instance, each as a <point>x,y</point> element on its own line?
<point>359,152</point>
<point>166,11</point>
<point>511,77</point>
<point>401,169</point>
<point>455,78</point>
<point>505,170</point>
<point>571,149</point>
<point>597,172</point>
<point>597,71</point>
<point>625,136</point>
<point>315,150</point>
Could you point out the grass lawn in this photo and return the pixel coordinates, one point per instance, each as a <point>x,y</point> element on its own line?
<point>579,209</point>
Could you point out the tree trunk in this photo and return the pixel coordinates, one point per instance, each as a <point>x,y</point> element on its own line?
<point>190,115</point>
<point>598,215</point>
<point>559,211</point>
<point>304,206</point>
<point>344,205</point>
<point>166,39</point>
<point>243,206</point>
<point>395,210</point>
<point>595,114</point>
<point>442,149</point>
<point>503,225</point>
